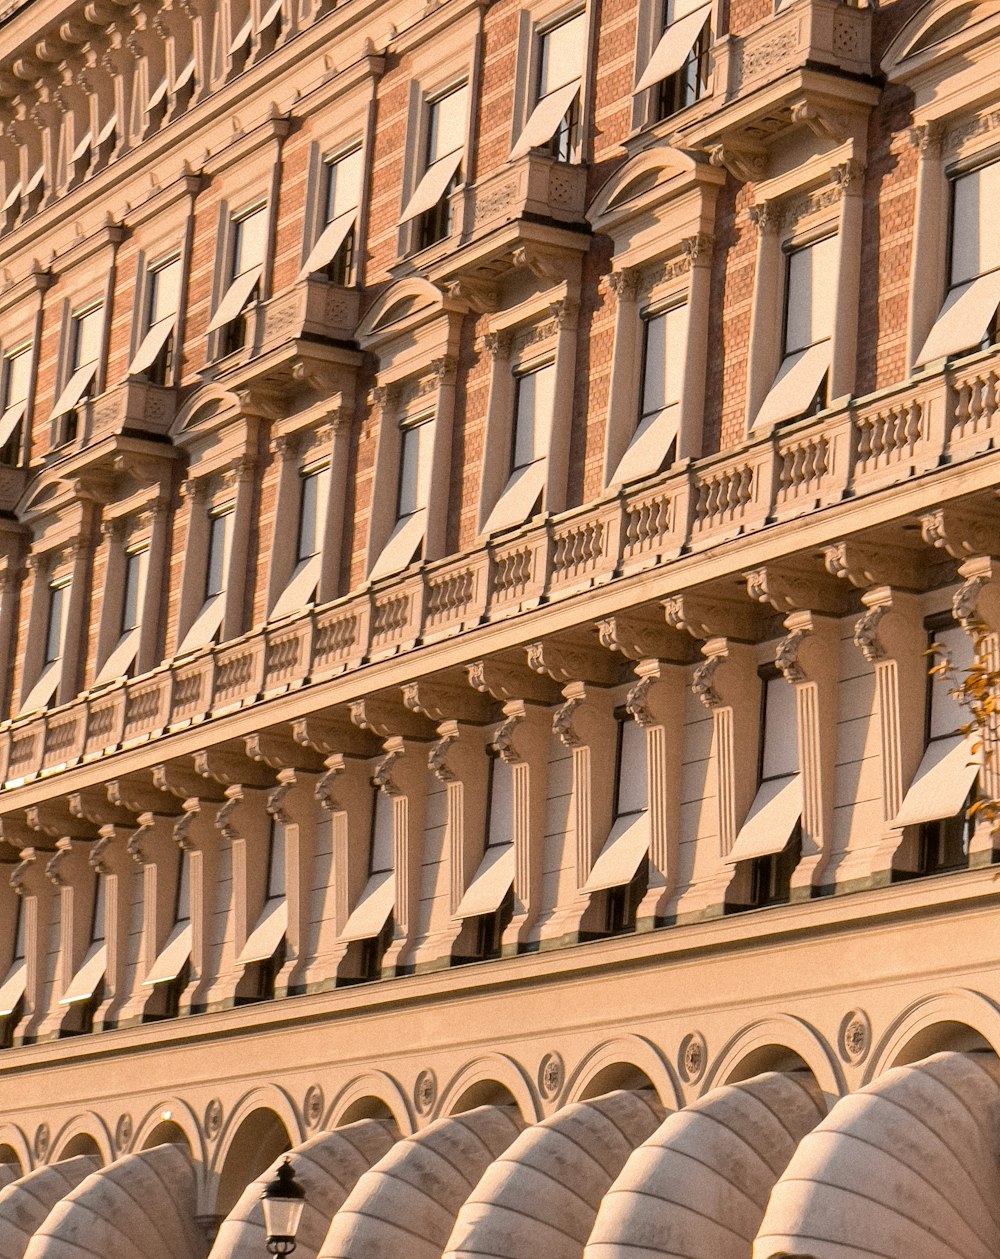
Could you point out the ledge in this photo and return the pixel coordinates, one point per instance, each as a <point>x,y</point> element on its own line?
<point>837,458</point>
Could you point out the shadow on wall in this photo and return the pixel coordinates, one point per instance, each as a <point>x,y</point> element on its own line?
<point>261,1138</point>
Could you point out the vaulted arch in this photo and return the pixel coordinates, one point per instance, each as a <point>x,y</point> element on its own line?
<point>904,1169</point>
<point>408,1202</point>
<point>327,1167</point>
<point>699,1185</point>
<point>542,1194</point>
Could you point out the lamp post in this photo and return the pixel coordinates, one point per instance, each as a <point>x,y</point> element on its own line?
<point>282,1201</point>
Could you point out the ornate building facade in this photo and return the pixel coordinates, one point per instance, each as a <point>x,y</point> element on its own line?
<point>479,482</point>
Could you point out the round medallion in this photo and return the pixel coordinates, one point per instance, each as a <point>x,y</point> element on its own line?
<point>551,1074</point>
<point>692,1057</point>
<point>123,1132</point>
<point>855,1036</point>
<point>41,1140</point>
<point>213,1118</point>
<point>425,1091</point>
<point>312,1107</point>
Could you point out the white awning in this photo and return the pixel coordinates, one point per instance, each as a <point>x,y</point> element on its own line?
<point>10,420</point>
<point>117,664</point>
<point>84,983</point>
<point>172,958</point>
<point>82,146</point>
<point>399,551</point>
<point>492,882</point>
<point>235,298</point>
<point>373,908</point>
<point>76,387</point>
<point>432,186</point>
<point>964,318</point>
<point>12,196</point>
<point>795,385</point>
<point>942,782</point>
<point>270,15</point>
<point>107,130</point>
<point>185,76</point>
<point>301,588</point>
<point>268,933</point>
<point>205,624</point>
<point>330,240</point>
<point>672,50</point>
<point>622,853</point>
<point>12,988</point>
<point>773,816</point>
<point>159,95</point>
<point>545,118</point>
<point>41,693</point>
<point>518,499</point>
<point>649,445</point>
<point>36,179</point>
<point>151,345</point>
<point>241,37</point>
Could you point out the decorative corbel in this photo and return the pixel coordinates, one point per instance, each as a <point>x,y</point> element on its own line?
<point>562,722</point>
<point>961,532</point>
<point>867,564</point>
<point>506,677</point>
<point>789,588</point>
<point>574,659</point>
<point>708,616</point>
<point>282,752</point>
<point>231,768</point>
<point>382,778</point>
<point>385,716</point>
<point>443,698</point>
<point>643,634</point>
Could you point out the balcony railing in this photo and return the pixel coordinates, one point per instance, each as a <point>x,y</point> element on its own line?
<point>874,443</point>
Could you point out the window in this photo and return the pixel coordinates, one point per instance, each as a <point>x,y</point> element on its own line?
<point>56,623</point>
<point>301,587</point>
<point>430,204</point>
<point>123,655</point>
<point>41,694</point>
<point>412,486</point>
<point>84,992</point>
<point>248,248</point>
<point>489,896</point>
<point>168,976</point>
<point>154,357</point>
<point>654,442</point>
<point>371,921</point>
<point>771,838</point>
<point>969,319</point>
<point>534,398</point>
<point>270,27</point>
<point>944,785</point>
<point>15,982</point>
<point>335,251</point>
<point>678,68</point>
<point>554,123</point>
<point>16,386</point>
<point>86,337</point>
<point>810,288</point>
<point>621,870</point>
<point>264,952</point>
<point>209,619</point>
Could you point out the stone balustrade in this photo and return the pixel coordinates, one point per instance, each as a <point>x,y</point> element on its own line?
<point>883,441</point>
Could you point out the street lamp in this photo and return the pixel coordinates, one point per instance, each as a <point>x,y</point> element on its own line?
<point>282,1201</point>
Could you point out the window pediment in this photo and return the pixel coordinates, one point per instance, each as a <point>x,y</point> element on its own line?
<point>938,32</point>
<point>656,200</point>
<point>410,327</point>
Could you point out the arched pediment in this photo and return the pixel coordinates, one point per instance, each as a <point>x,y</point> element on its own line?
<point>656,173</point>
<point>402,307</point>
<point>204,408</point>
<point>942,28</point>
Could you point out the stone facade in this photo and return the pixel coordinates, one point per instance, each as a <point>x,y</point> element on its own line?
<point>467,573</point>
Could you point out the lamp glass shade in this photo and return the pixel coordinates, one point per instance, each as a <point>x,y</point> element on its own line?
<point>282,1202</point>
<point>282,1216</point>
